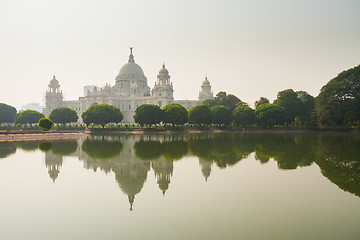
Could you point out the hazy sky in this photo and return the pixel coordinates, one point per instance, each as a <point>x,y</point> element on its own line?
<point>247,48</point>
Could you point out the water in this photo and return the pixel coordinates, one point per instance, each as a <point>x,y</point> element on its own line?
<point>183,186</point>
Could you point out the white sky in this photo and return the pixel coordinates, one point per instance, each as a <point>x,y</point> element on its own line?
<point>248,48</point>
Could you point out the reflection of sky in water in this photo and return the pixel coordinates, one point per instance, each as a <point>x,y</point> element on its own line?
<point>200,186</point>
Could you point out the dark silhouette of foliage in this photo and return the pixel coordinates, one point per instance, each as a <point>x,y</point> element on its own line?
<point>243,116</point>
<point>148,114</point>
<point>7,113</point>
<point>28,116</point>
<point>221,115</point>
<point>289,100</point>
<point>45,123</point>
<point>63,115</point>
<point>102,114</point>
<point>175,113</point>
<point>200,114</point>
<point>339,100</point>
<point>262,100</point>
<point>269,115</point>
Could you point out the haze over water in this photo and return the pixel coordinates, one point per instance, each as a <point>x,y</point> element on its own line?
<point>183,186</point>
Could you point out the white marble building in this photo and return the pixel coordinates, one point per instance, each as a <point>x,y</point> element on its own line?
<point>130,91</point>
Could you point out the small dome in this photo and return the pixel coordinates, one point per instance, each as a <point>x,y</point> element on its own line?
<point>54,81</point>
<point>163,70</point>
<point>206,82</point>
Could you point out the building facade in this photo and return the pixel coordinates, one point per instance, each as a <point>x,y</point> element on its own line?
<point>129,92</point>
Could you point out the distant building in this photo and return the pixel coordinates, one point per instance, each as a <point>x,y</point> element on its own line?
<point>32,106</point>
<point>130,91</point>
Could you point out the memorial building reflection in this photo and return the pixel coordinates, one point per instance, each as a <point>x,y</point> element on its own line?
<point>131,157</point>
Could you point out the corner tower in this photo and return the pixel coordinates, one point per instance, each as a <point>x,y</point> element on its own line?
<point>163,89</point>
<point>53,96</point>
<point>205,92</point>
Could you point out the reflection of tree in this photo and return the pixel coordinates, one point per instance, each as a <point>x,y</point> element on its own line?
<point>148,150</point>
<point>101,148</point>
<point>290,150</point>
<point>6,149</point>
<point>338,156</point>
<point>200,147</point>
<point>175,150</point>
<point>223,151</point>
<point>64,148</point>
<point>45,146</point>
<point>28,146</point>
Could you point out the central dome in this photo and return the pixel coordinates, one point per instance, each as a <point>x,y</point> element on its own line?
<point>131,70</point>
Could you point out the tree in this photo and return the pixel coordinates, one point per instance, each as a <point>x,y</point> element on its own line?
<point>63,115</point>
<point>289,100</point>
<point>45,123</point>
<point>339,100</point>
<point>243,116</point>
<point>262,100</point>
<point>230,101</point>
<point>221,115</point>
<point>227,100</point>
<point>210,102</point>
<point>268,115</point>
<point>148,114</point>
<point>28,116</point>
<point>175,113</point>
<point>200,114</point>
<point>7,113</point>
<point>308,117</point>
<point>102,114</point>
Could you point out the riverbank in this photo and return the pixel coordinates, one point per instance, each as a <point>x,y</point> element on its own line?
<point>25,136</point>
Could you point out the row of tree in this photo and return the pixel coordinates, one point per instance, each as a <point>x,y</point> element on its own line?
<point>338,104</point>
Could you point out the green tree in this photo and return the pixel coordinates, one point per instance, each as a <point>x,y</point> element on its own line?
<point>63,115</point>
<point>221,115</point>
<point>268,115</point>
<point>102,114</point>
<point>200,114</point>
<point>28,116</point>
<point>211,102</point>
<point>289,100</point>
<point>175,113</point>
<point>243,116</point>
<point>262,100</point>
<point>7,113</point>
<point>148,114</point>
<point>308,116</point>
<point>230,101</point>
<point>339,100</point>
<point>45,123</point>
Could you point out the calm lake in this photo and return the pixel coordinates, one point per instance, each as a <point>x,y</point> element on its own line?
<point>183,186</point>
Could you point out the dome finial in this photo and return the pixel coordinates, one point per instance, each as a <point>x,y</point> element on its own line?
<point>131,56</point>
<point>163,65</point>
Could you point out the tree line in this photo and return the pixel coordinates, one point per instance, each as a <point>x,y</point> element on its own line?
<point>337,105</point>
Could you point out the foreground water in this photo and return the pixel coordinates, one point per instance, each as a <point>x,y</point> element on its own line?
<point>183,186</point>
